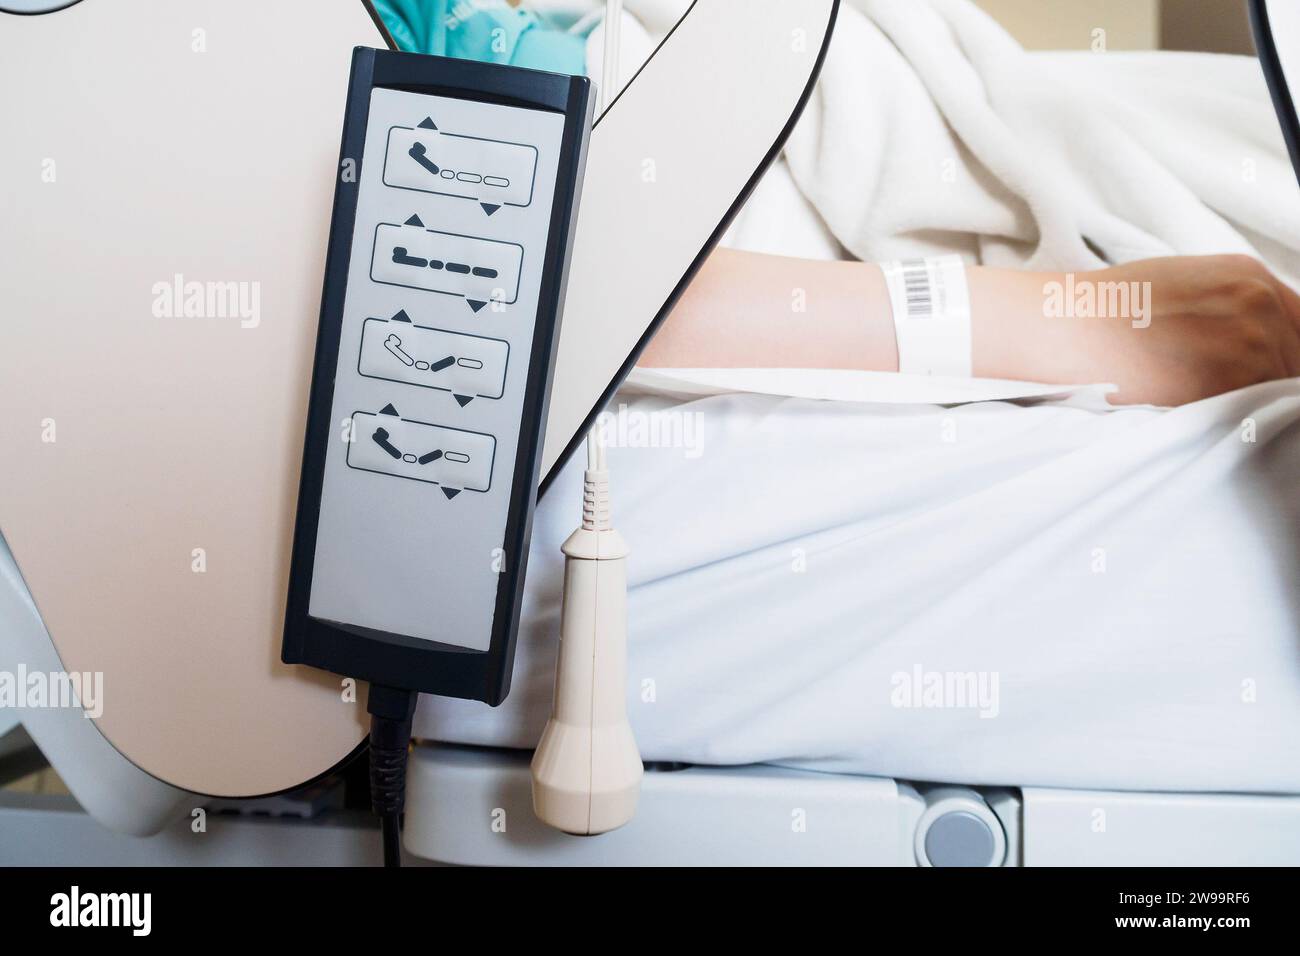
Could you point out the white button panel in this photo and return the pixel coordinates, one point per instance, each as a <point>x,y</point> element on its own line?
<point>476,269</point>
<point>468,366</point>
<point>452,220</point>
<point>488,171</point>
<point>388,444</point>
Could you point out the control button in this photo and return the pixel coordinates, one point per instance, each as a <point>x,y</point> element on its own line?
<point>387,444</point>
<point>491,172</point>
<point>468,366</point>
<point>479,270</point>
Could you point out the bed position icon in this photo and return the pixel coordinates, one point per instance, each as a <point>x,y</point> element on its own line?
<point>467,366</point>
<point>453,458</point>
<point>480,270</point>
<point>491,172</point>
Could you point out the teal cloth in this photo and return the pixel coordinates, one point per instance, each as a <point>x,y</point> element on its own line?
<point>476,30</point>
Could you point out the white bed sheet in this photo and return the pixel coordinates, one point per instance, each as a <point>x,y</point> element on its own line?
<point>803,555</point>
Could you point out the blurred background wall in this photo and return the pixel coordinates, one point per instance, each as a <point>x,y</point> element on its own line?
<point>1218,26</point>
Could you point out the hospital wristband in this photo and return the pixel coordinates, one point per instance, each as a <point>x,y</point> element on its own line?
<point>931,305</point>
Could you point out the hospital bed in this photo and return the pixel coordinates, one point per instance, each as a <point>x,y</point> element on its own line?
<point>1123,582</point>
<point>892,632</point>
<point>1137,707</point>
<point>1102,603</point>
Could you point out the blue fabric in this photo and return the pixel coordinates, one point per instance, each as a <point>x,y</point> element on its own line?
<point>490,31</point>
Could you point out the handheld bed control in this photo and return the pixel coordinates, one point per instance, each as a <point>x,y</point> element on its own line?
<point>452,225</point>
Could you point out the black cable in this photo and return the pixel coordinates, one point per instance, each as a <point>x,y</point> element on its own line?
<point>391,711</point>
<point>392,833</point>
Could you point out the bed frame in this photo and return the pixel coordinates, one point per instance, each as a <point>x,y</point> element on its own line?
<point>473,806</point>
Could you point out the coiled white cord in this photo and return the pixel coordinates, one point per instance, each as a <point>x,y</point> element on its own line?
<point>595,488</point>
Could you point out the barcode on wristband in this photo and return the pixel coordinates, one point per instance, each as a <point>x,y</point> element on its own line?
<point>931,306</point>
<point>916,287</point>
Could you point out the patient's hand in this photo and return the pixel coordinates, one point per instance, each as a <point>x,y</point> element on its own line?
<point>1166,331</point>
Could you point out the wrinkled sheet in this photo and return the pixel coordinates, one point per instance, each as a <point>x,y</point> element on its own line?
<point>1129,578</point>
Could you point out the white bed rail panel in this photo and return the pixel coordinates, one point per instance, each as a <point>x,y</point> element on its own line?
<point>1115,828</point>
<point>474,806</point>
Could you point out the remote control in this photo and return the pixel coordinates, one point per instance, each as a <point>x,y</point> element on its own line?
<point>452,224</point>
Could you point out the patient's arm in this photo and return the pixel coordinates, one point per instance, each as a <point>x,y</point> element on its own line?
<point>1202,326</point>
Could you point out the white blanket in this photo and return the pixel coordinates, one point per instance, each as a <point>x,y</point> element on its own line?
<point>932,129</point>
<point>1122,585</point>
